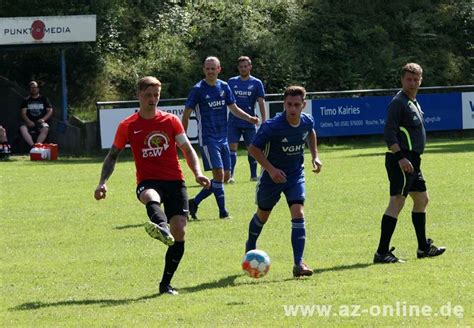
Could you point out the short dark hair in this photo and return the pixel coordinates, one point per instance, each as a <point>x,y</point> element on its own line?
<point>147,81</point>
<point>244,59</point>
<point>413,68</point>
<point>294,90</point>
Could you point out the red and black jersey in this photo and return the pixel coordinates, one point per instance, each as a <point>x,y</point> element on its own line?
<point>153,145</point>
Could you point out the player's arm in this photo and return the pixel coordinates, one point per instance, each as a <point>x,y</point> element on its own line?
<point>392,125</point>
<point>241,114</point>
<point>185,119</point>
<point>25,118</point>
<point>49,113</point>
<point>107,170</point>
<point>277,175</point>
<point>192,160</point>
<point>404,163</point>
<point>261,106</point>
<point>313,148</point>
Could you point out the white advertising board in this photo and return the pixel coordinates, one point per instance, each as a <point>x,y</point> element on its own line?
<point>467,110</point>
<point>47,29</point>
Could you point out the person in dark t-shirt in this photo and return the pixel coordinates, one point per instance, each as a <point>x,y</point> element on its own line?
<point>36,110</point>
<point>405,137</point>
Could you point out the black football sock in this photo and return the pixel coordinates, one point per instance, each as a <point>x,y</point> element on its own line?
<point>388,227</point>
<point>419,222</point>
<point>155,213</point>
<point>172,259</point>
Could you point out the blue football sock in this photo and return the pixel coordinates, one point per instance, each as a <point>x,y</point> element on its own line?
<point>253,166</point>
<point>233,161</point>
<point>203,194</point>
<point>298,238</point>
<point>255,228</point>
<point>218,190</point>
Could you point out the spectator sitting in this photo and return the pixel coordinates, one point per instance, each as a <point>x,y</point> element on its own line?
<point>5,149</point>
<point>35,112</point>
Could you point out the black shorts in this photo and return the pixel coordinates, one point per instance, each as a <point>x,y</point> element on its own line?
<point>173,195</point>
<point>402,183</point>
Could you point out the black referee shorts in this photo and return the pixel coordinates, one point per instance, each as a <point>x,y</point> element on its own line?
<point>173,194</point>
<point>402,183</point>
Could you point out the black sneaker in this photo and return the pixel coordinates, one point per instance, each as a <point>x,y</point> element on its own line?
<point>431,251</point>
<point>225,216</point>
<point>193,208</point>
<point>167,289</point>
<point>163,234</point>
<point>387,257</point>
<point>302,270</point>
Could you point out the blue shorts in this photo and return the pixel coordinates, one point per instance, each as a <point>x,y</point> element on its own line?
<point>234,134</point>
<point>216,156</point>
<point>268,192</point>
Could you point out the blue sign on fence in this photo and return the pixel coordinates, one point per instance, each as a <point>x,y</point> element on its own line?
<point>366,115</point>
<point>442,111</point>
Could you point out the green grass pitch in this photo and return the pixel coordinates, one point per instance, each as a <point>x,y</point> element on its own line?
<point>70,261</point>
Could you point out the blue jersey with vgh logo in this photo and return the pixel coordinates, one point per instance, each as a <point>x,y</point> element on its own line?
<point>284,144</point>
<point>210,105</point>
<point>246,93</point>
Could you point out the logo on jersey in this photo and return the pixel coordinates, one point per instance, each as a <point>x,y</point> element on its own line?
<point>293,149</point>
<point>35,109</point>
<point>415,109</point>
<point>216,104</point>
<point>243,93</point>
<point>155,143</point>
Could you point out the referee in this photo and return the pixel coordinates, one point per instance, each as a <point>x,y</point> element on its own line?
<point>406,139</point>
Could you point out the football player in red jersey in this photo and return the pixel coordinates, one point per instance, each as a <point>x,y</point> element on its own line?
<point>153,136</point>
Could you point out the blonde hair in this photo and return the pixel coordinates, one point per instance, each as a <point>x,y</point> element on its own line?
<point>212,58</point>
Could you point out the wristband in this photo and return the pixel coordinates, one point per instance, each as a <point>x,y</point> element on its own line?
<point>398,155</point>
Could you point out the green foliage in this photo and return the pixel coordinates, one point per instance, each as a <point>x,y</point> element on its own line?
<point>70,261</point>
<point>322,44</point>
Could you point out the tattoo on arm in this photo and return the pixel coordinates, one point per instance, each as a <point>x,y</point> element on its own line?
<point>109,164</point>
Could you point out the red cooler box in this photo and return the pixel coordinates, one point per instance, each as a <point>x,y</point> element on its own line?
<point>44,152</point>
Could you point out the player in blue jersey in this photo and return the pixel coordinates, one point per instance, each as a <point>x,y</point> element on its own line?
<point>247,91</point>
<point>210,98</point>
<point>279,148</point>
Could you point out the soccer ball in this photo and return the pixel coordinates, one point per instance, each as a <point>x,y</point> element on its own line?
<point>256,263</point>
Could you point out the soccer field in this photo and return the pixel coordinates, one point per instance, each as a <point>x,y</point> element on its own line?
<point>68,260</point>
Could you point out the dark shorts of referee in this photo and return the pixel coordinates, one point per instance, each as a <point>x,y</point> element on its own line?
<point>402,183</point>
<point>173,195</point>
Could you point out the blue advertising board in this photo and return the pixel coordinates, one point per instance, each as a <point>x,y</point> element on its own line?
<point>366,115</point>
